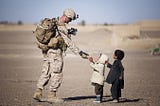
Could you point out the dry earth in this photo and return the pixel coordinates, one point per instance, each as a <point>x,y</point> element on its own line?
<point>21,60</point>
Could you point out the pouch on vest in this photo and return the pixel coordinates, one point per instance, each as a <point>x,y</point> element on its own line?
<point>58,43</point>
<point>61,44</point>
<point>43,47</point>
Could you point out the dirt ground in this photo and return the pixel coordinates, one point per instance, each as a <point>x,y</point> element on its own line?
<point>20,67</point>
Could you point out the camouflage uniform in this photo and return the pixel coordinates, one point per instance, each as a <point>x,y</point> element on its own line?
<point>53,61</point>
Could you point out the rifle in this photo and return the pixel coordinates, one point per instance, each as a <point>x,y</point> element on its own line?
<point>72,31</point>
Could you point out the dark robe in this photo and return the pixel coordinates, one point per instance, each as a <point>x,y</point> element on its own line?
<point>116,71</point>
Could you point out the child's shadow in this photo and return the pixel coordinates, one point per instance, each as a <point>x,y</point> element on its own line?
<point>82,97</point>
<point>123,100</point>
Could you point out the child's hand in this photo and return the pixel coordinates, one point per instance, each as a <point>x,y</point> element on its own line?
<point>90,59</point>
<point>106,62</point>
<point>120,77</point>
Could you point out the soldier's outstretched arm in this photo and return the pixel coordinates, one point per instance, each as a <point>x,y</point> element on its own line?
<point>63,31</point>
<point>72,46</point>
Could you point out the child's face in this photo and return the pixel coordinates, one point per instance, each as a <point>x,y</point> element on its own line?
<point>114,56</point>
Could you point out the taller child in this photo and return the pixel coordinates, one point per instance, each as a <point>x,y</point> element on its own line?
<point>116,75</point>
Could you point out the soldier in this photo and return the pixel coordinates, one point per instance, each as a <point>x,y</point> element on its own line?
<point>53,60</point>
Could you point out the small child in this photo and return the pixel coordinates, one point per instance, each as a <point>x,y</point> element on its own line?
<point>116,75</point>
<point>98,78</point>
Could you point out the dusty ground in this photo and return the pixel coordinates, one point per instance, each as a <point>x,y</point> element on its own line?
<point>20,65</point>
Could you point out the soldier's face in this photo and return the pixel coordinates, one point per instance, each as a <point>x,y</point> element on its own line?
<point>67,19</point>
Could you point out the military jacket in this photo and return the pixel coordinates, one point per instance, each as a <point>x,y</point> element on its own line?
<point>63,33</point>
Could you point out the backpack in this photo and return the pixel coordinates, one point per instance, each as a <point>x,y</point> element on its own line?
<point>46,30</point>
<point>46,35</point>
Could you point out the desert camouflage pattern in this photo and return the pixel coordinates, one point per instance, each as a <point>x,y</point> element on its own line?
<point>53,60</point>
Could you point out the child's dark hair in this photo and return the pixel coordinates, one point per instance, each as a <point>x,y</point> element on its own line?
<point>119,54</point>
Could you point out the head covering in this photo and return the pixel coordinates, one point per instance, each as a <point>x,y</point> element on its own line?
<point>70,13</point>
<point>103,58</point>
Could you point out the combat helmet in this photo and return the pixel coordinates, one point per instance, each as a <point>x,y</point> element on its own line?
<point>70,13</point>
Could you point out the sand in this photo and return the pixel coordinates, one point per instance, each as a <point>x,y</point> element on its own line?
<point>21,60</point>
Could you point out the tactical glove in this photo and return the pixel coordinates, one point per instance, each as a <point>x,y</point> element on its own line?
<point>83,54</point>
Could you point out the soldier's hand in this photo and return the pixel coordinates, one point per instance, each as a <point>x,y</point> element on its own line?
<point>83,54</point>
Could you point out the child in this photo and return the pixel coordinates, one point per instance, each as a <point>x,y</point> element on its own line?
<point>97,78</point>
<point>116,75</point>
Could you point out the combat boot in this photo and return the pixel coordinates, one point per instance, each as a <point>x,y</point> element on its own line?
<point>52,98</point>
<point>38,94</point>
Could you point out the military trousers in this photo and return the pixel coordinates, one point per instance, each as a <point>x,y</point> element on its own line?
<point>51,71</point>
